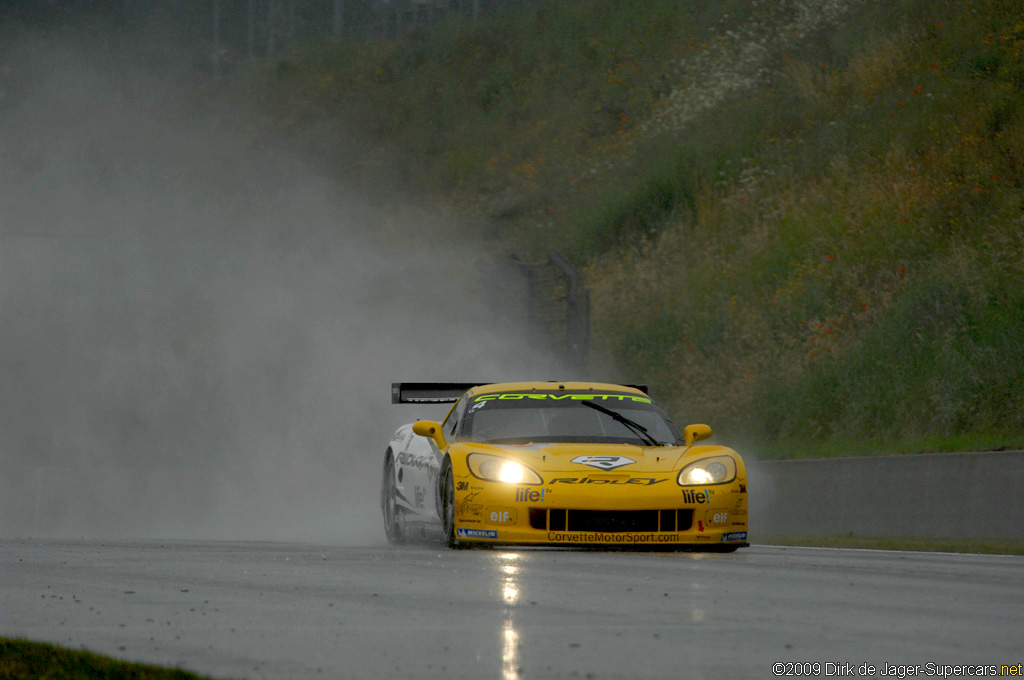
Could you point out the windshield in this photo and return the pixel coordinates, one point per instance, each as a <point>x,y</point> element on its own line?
<point>514,418</point>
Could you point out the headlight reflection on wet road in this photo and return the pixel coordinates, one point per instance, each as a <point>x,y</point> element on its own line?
<point>508,568</point>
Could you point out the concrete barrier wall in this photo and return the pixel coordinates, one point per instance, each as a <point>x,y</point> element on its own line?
<point>934,495</point>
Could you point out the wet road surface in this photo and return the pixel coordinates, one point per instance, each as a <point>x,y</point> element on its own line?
<point>278,610</point>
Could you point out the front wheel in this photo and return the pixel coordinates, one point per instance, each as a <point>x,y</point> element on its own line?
<point>448,503</point>
<point>394,527</point>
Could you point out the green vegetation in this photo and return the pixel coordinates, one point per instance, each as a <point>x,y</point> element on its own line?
<point>803,227</point>
<point>991,546</point>
<point>23,660</point>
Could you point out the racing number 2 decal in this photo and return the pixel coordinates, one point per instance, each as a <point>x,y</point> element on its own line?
<point>604,462</point>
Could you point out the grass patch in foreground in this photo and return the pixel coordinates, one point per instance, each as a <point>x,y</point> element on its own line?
<point>40,661</point>
<point>990,546</point>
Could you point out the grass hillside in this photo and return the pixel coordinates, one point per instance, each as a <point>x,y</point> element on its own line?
<point>24,660</point>
<point>802,222</point>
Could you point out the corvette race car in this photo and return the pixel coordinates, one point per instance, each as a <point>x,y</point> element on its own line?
<point>549,463</point>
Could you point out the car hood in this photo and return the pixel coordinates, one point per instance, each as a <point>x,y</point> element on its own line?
<point>594,458</point>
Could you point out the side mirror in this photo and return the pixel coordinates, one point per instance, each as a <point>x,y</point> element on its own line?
<point>431,429</point>
<point>694,433</point>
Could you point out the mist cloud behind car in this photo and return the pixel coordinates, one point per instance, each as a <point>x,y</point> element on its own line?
<point>201,328</point>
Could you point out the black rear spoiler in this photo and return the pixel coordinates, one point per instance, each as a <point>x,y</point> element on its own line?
<point>442,392</point>
<point>428,392</point>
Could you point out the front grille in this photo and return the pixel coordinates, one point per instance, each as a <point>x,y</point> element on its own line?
<point>556,519</point>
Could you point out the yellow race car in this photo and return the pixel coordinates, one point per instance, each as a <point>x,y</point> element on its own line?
<point>559,463</point>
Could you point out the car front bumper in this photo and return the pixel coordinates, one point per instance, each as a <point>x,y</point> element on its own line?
<point>650,513</point>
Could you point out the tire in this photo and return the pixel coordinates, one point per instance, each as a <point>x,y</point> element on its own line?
<point>448,504</point>
<point>394,527</point>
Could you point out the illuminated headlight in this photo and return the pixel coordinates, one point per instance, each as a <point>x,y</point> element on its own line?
<point>498,469</point>
<point>716,470</point>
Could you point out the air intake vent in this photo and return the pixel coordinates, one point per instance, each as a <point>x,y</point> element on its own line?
<point>633,521</point>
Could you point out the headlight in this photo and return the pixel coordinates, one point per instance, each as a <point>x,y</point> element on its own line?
<point>498,469</point>
<point>717,470</point>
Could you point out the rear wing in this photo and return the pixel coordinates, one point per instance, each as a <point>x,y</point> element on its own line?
<point>428,392</point>
<point>442,392</point>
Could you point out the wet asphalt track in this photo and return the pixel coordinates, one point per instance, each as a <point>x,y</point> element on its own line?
<point>254,610</point>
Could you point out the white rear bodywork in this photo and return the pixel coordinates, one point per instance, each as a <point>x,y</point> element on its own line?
<point>417,463</point>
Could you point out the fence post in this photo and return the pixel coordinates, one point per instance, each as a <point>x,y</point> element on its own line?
<point>570,332</point>
<point>577,314</point>
<point>339,18</point>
